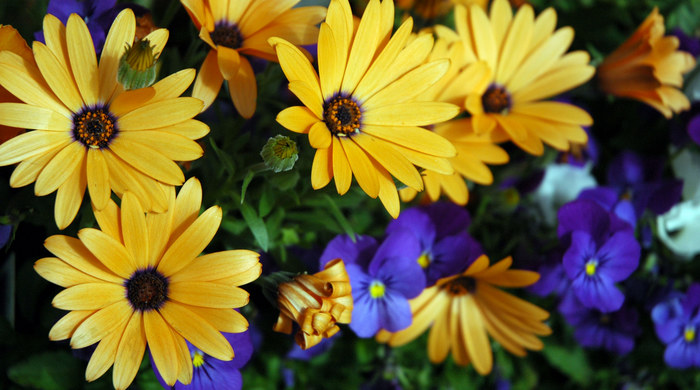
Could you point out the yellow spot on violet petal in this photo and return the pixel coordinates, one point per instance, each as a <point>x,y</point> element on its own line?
<point>591,266</point>
<point>376,289</point>
<point>424,260</point>
<point>689,333</point>
<point>197,359</point>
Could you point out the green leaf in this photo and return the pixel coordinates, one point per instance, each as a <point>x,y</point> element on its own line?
<point>246,182</point>
<point>342,221</point>
<point>267,202</point>
<point>570,361</point>
<point>285,180</point>
<point>223,157</point>
<point>57,370</point>
<point>256,225</point>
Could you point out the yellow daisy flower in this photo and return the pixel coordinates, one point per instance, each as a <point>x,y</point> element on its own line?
<point>464,309</point>
<point>317,303</point>
<point>528,63</point>
<point>648,67</point>
<point>235,29</point>
<point>139,280</point>
<point>89,132</point>
<point>474,150</point>
<point>11,40</point>
<point>362,110</point>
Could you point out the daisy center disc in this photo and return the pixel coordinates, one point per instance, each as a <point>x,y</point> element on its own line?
<point>461,286</point>
<point>342,116</point>
<point>228,35</point>
<point>94,127</point>
<point>147,289</point>
<point>496,100</point>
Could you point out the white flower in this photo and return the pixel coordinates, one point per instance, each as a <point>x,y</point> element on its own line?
<point>561,184</point>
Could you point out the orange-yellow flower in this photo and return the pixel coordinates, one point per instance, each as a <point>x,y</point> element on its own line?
<point>317,303</point>
<point>363,110</point>
<point>528,62</point>
<point>11,40</point>
<point>238,28</point>
<point>88,131</point>
<point>464,309</point>
<point>649,68</point>
<point>139,280</point>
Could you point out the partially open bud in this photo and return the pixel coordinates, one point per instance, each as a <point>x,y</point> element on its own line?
<point>138,65</point>
<point>316,302</point>
<point>280,153</point>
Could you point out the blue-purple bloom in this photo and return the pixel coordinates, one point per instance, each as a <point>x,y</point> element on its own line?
<point>97,14</point>
<point>5,232</point>
<point>212,373</point>
<point>602,251</point>
<point>441,229</point>
<point>383,279</point>
<point>614,331</point>
<point>677,322</point>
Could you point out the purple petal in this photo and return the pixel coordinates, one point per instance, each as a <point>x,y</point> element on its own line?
<point>448,218</point>
<point>418,221</point>
<point>341,246</point>
<point>619,256</point>
<point>573,310</point>
<point>5,232</point>
<point>604,196</point>
<point>401,274</point>
<point>694,129</point>
<point>582,249</point>
<point>214,374</point>
<point>680,354</point>
<point>553,279</point>
<point>394,312</point>
<point>63,8</point>
<point>583,215</point>
<point>452,255</point>
<point>365,315</point>
<point>663,195</point>
<point>625,212</point>
<point>242,348</point>
<point>400,244</point>
<point>691,301</point>
<point>359,280</point>
<point>627,168</point>
<point>598,292</point>
<point>591,335</point>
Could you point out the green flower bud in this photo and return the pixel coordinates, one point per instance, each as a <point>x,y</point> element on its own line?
<point>138,66</point>
<point>280,153</point>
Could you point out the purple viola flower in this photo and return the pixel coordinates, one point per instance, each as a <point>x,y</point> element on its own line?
<point>613,331</point>
<point>553,279</point>
<point>594,267</point>
<point>297,353</point>
<point>382,278</point>
<point>640,180</point>
<point>677,323</point>
<point>441,229</point>
<point>96,13</point>
<point>5,233</point>
<point>694,129</point>
<point>588,216</point>
<point>212,373</point>
<point>611,202</point>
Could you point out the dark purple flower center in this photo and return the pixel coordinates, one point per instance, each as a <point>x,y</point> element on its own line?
<point>228,35</point>
<point>342,116</point>
<point>496,99</point>
<point>147,289</point>
<point>461,286</point>
<point>94,127</point>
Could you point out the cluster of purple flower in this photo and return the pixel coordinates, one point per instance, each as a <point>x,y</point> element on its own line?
<point>421,246</point>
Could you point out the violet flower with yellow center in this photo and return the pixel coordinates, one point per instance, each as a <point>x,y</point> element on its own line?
<point>648,67</point>
<point>139,281</point>
<point>89,132</point>
<point>237,29</point>
<point>362,110</point>
<point>528,62</point>
<point>464,309</point>
<point>317,303</point>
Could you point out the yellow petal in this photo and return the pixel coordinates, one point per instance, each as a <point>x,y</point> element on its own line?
<point>64,328</point>
<point>474,334</point>
<point>298,119</point>
<point>197,331</point>
<point>310,97</point>
<point>389,158</point>
<point>75,254</point>
<point>105,353</point>
<point>160,114</point>
<point>134,230</point>
<point>187,206</point>
<point>388,194</point>
<point>516,45</point>
<point>109,251</point>
<point>69,197</point>
<point>208,294</point>
<point>229,321</point>
<point>88,296</point>
<point>174,85</point>
<point>98,178</point>
<point>57,77</point>
<point>82,59</point>
<point>329,62</point>
<point>540,60</point>
<point>119,36</point>
<point>24,116</point>
<point>295,65</point>
<point>191,243</point>
<point>416,138</point>
<point>361,167</point>
<point>319,136</point>
<point>229,61</point>
<point>155,165</point>
<point>130,100</point>
<point>244,89</point>
<point>162,346</point>
<point>322,168</point>
<point>58,272</point>
<point>110,221</point>
<point>410,114</point>
<point>218,265</point>
<point>363,47</point>
<point>410,85</point>
<point>28,169</point>
<point>208,81</point>
<point>55,37</point>
<point>57,171</point>
<point>173,146</point>
<point>100,324</point>
<point>341,168</point>
<point>259,14</point>
<point>130,352</point>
